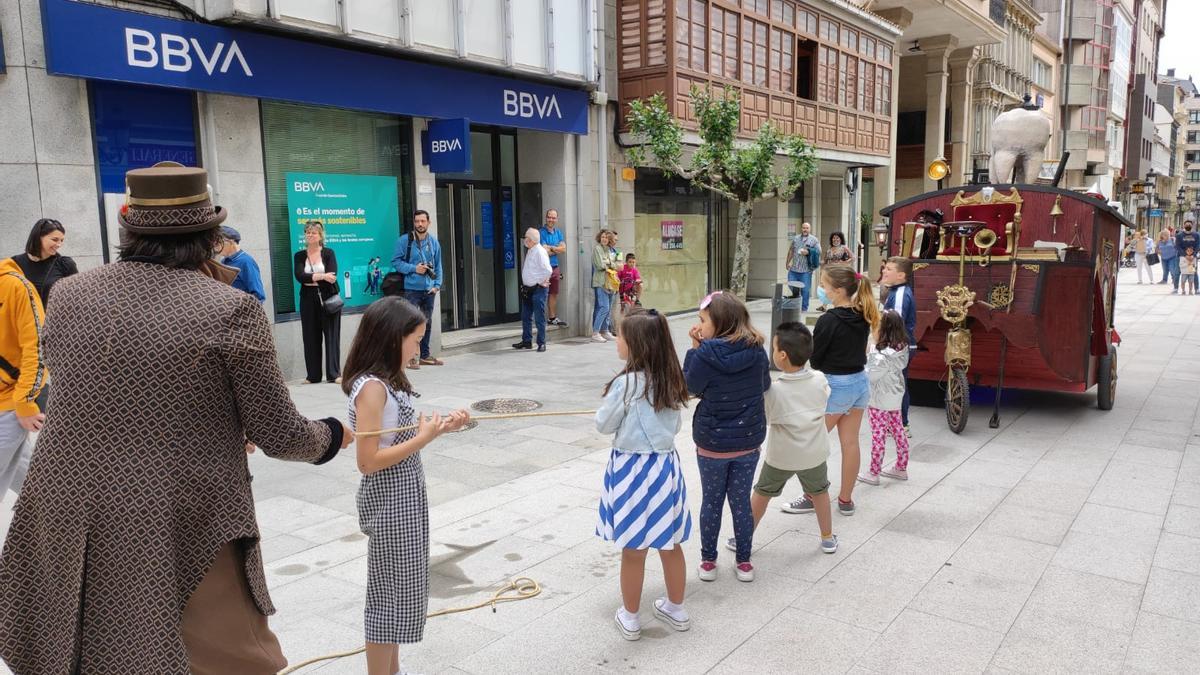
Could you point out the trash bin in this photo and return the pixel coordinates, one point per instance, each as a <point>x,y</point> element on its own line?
<point>785,308</point>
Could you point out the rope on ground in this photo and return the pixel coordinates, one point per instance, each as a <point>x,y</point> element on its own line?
<point>505,416</point>
<point>521,588</point>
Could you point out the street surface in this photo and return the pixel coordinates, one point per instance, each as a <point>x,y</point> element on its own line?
<point>1068,540</point>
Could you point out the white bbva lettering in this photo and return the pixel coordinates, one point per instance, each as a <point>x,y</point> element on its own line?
<point>446,145</point>
<point>176,53</point>
<point>525,104</point>
<point>140,42</point>
<point>305,186</point>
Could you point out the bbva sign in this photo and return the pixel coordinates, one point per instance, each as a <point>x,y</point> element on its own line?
<point>174,53</point>
<point>445,145</point>
<point>525,104</point>
<point>307,186</point>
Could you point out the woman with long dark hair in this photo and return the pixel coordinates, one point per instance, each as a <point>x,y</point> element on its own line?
<point>316,269</point>
<point>41,263</point>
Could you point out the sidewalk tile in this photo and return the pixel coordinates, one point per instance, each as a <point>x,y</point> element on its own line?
<point>1018,560</point>
<point>793,639</point>
<point>1162,645</point>
<point>1179,553</point>
<point>973,598</point>
<point>1087,598</point>
<point>1123,557</point>
<point>1183,520</point>
<point>922,643</point>
<point>1173,594</point>
<point>1041,642</point>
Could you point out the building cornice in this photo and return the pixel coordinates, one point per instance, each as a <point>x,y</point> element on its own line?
<point>892,30</point>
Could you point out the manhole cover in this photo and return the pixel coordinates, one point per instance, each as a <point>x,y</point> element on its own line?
<point>502,406</point>
<point>468,426</point>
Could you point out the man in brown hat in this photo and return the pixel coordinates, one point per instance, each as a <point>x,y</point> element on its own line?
<point>135,547</point>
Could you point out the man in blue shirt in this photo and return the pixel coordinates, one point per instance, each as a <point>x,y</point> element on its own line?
<point>554,243</point>
<point>418,256</point>
<point>249,278</point>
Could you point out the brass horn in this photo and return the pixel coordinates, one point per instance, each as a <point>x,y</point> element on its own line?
<point>984,240</point>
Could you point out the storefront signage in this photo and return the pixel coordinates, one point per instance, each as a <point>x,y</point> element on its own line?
<point>96,42</point>
<point>506,217</point>
<point>672,235</point>
<point>361,215</point>
<point>1,52</point>
<point>446,146</point>
<point>1155,213</point>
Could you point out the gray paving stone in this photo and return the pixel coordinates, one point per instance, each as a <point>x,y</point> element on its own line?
<point>1135,486</point>
<point>1041,642</point>
<point>1183,520</point>
<point>922,643</point>
<point>1005,557</point>
<point>794,638</point>
<point>1028,523</point>
<point>1162,645</point>
<point>1121,557</point>
<point>969,597</point>
<point>1087,598</point>
<point>1177,552</point>
<point>1173,594</point>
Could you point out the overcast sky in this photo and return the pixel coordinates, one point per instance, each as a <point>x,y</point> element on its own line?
<point>1178,48</point>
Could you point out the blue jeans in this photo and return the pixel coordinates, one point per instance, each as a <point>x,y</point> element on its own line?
<point>602,311</point>
<point>724,480</point>
<point>533,311</point>
<point>1171,268</point>
<point>806,292</point>
<point>423,300</point>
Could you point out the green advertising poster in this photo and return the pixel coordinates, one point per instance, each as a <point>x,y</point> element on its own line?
<point>361,216</point>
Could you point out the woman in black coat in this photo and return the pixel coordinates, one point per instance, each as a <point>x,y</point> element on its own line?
<point>316,271</point>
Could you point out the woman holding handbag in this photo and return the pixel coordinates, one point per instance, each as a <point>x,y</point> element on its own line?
<point>604,285</point>
<point>320,304</point>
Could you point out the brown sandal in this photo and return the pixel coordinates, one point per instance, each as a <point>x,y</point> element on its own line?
<point>413,365</point>
<point>432,362</point>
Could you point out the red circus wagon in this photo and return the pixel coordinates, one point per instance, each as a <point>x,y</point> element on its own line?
<point>1014,287</point>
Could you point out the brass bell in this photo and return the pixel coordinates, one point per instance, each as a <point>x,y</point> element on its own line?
<point>1056,210</point>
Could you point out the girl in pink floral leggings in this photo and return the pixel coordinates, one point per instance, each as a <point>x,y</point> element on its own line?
<point>885,369</point>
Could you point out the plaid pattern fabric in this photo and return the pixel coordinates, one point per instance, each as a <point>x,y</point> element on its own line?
<point>393,511</point>
<point>140,475</point>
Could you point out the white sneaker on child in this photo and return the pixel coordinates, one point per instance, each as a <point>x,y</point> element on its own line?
<point>744,571</point>
<point>629,625</point>
<point>676,617</point>
<point>708,570</point>
<point>898,474</point>
<point>869,478</point>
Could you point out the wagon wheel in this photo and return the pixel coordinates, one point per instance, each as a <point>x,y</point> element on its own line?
<point>1106,380</point>
<point>958,400</point>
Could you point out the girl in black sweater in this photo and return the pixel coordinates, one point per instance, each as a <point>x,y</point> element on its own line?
<point>840,351</point>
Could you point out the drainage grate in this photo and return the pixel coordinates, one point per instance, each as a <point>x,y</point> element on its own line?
<point>502,406</point>
<point>468,426</point>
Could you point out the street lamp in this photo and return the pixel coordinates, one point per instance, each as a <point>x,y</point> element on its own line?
<point>881,231</point>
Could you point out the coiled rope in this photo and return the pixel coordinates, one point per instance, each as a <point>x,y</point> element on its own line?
<point>505,416</point>
<point>521,588</point>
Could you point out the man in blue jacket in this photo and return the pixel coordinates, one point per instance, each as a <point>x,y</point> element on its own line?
<point>418,256</point>
<point>896,274</point>
<point>249,278</point>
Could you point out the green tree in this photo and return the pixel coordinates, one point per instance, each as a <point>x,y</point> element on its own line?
<point>741,171</point>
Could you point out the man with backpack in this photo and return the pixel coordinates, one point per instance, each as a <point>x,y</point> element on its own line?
<point>418,257</point>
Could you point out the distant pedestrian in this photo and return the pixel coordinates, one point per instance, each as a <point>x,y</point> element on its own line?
<point>22,373</point>
<point>631,284</point>
<point>555,244</point>
<point>644,503</point>
<point>249,278</point>
<point>604,286</point>
<point>797,441</point>
<point>838,253</point>
<point>393,508</point>
<point>1189,272</point>
<point>727,369</point>
<point>803,258</point>
<point>1186,239</point>
<point>315,268</point>
<point>1169,255</point>
<point>535,282</point>
<point>418,256</point>
<point>840,352</point>
<point>1142,247</point>
<point>886,365</point>
<point>374,275</point>
<point>41,263</point>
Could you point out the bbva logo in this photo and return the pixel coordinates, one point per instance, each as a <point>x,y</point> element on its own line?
<point>306,186</point>
<point>142,50</point>
<point>446,145</point>
<point>525,104</point>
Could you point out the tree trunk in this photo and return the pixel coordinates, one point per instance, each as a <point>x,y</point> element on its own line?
<point>741,250</point>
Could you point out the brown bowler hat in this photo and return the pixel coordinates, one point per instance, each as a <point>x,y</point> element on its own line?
<point>168,198</point>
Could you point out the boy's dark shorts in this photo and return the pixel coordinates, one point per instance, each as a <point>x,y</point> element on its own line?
<point>771,481</point>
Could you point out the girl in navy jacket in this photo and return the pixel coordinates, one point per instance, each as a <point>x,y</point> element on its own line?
<point>727,369</point>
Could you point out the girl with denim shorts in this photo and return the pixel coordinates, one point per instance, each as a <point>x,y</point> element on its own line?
<point>840,351</point>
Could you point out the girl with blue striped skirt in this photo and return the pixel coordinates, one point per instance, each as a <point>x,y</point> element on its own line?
<point>644,503</point>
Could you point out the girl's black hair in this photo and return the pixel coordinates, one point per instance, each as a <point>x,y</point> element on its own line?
<point>377,346</point>
<point>43,227</point>
<point>652,353</point>
<point>892,332</point>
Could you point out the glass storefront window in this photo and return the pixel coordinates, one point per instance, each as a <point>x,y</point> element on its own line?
<point>312,140</point>
<point>670,240</point>
<point>137,127</point>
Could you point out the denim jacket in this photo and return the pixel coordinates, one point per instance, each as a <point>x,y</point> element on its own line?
<point>636,427</point>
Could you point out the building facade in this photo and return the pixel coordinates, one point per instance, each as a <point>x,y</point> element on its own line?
<point>821,69</point>
<point>1188,142</point>
<point>316,109</point>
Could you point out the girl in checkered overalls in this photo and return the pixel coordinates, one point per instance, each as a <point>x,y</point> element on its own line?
<point>393,510</point>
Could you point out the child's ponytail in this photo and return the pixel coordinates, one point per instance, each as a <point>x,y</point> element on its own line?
<point>864,302</point>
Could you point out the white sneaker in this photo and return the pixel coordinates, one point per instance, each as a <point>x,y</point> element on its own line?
<point>868,478</point>
<point>744,571</point>
<point>679,619</point>
<point>708,571</point>
<point>607,336</point>
<point>631,631</point>
<point>596,337</point>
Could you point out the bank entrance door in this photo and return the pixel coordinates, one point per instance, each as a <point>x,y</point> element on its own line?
<point>479,235</point>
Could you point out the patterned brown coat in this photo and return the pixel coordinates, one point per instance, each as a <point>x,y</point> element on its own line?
<point>140,475</point>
